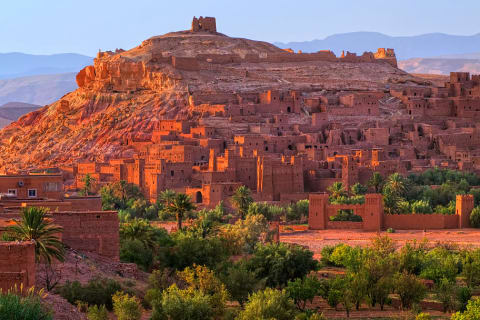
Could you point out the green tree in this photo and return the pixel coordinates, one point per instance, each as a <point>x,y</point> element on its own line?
<point>397,184</point>
<point>303,290</point>
<point>421,206</point>
<point>88,184</point>
<point>268,304</point>
<point>241,282</point>
<point>126,307</point>
<point>241,199</point>
<point>471,267</point>
<point>179,207</point>
<point>358,189</point>
<point>117,195</point>
<point>35,226</point>
<point>410,289</point>
<point>279,263</point>
<point>337,190</point>
<point>475,217</point>
<point>445,293</point>
<point>178,304</point>
<point>138,229</point>
<point>376,181</point>
<point>472,311</point>
<point>97,313</point>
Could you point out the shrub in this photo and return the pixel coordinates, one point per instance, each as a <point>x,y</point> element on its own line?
<point>126,307</point>
<point>421,206</point>
<point>268,304</point>
<point>177,304</point>
<point>472,311</point>
<point>390,230</point>
<point>475,217</point>
<point>135,251</point>
<point>279,262</point>
<point>423,316</point>
<point>27,307</point>
<point>464,294</point>
<point>410,289</point>
<point>241,282</point>
<point>95,292</point>
<point>97,313</point>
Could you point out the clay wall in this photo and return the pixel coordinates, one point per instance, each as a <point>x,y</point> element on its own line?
<point>185,63</point>
<point>17,265</point>
<point>90,231</point>
<point>420,221</point>
<point>174,125</point>
<point>377,136</point>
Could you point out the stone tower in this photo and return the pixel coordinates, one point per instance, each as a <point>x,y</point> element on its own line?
<point>207,24</point>
<point>464,206</point>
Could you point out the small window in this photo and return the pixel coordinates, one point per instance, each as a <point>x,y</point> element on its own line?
<point>32,193</point>
<point>12,192</point>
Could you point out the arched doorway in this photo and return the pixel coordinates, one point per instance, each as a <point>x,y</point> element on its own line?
<point>198,197</point>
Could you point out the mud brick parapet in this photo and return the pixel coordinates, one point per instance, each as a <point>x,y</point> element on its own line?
<point>17,264</point>
<point>91,231</point>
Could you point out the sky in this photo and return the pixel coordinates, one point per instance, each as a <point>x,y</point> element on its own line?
<point>85,26</point>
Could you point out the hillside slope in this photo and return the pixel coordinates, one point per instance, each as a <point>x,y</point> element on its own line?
<point>125,94</point>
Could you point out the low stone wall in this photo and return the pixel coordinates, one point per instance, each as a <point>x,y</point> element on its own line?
<point>17,264</point>
<point>420,221</point>
<point>344,225</point>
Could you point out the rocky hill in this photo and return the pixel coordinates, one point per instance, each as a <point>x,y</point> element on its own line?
<point>124,94</point>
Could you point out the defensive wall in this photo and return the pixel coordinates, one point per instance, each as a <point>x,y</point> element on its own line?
<point>375,219</point>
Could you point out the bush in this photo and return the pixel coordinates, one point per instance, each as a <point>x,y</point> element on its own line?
<point>346,215</point>
<point>464,294</point>
<point>177,304</point>
<point>126,307</point>
<point>97,313</point>
<point>268,304</point>
<point>475,217</point>
<point>421,206</point>
<point>279,263</point>
<point>95,292</point>
<point>28,307</point>
<point>472,311</point>
<point>390,230</point>
<point>135,251</point>
<point>423,316</point>
<point>410,289</point>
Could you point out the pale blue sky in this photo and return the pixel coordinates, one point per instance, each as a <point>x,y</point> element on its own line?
<point>84,26</point>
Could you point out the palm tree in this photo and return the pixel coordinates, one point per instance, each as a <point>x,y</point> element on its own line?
<point>376,181</point>
<point>35,226</point>
<point>242,199</point>
<point>396,183</point>
<point>337,190</point>
<point>137,229</point>
<point>180,206</point>
<point>167,196</point>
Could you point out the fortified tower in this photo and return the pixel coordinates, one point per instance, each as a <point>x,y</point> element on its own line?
<point>464,206</point>
<point>207,24</point>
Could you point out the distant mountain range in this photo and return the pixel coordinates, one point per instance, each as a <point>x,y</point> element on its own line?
<point>38,90</point>
<point>422,46</point>
<point>439,65</point>
<point>15,64</point>
<point>13,110</point>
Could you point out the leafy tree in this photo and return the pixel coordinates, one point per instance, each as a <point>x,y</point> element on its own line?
<point>421,206</point>
<point>135,251</point>
<point>337,190</point>
<point>303,290</point>
<point>472,311</point>
<point>410,289</point>
<point>279,262</point>
<point>244,235</point>
<point>126,307</point>
<point>179,207</point>
<point>376,181</point>
<point>475,217</point>
<point>440,263</point>
<point>202,279</point>
<point>119,195</point>
<point>340,292</point>
<point>445,293</point>
<point>391,200</point>
<point>137,229</point>
<point>471,267</point>
<point>88,185</point>
<point>268,304</point>
<point>348,257</point>
<point>166,197</point>
<point>358,189</point>
<point>34,226</point>
<point>241,282</point>
<point>241,199</point>
<point>359,287</point>
<point>412,257</point>
<point>178,304</point>
<point>464,294</point>
<point>397,184</point>
<point>269,211</point>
